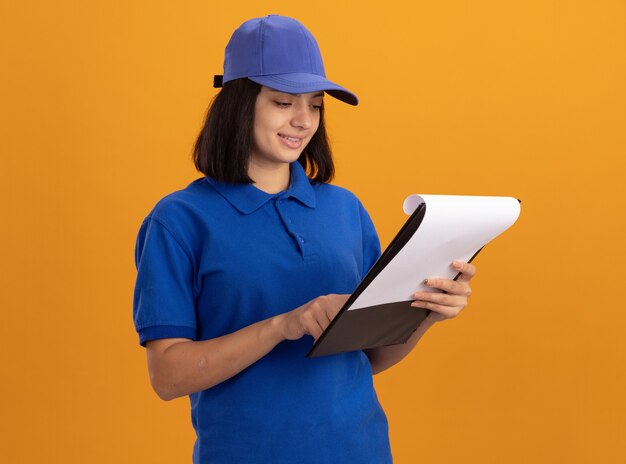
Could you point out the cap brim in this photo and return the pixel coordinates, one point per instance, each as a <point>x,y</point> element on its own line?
<point>305,83</point>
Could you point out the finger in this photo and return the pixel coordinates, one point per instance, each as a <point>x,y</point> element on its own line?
<point>449,286</point>
<point>443,299</point>
<point>446,311</point>
<point>341,299</point>
<point>330,314</point>
<point>333,305</point>
<point>315,331</point>
<point>467,270</point>
<point>321,321</point>
<point>311,326</point>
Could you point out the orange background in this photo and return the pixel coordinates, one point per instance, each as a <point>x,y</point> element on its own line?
<point>101,103</point>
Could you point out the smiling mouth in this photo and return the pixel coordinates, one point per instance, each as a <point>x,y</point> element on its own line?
<point>291,142</point>
<point>291,139</point>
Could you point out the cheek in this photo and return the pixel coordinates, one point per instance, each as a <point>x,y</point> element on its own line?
<point>256,135</point>
<point>316,121</point>
<point>261,133</point>
<point>266,123</point>
<point>315,127</point>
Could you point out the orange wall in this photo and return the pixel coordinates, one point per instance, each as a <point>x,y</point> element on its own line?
<point>101,102</point>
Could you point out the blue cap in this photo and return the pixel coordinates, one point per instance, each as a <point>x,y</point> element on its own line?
<point>280,53</point>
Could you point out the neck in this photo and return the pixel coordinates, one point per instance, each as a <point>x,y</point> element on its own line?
<point>270,179</point>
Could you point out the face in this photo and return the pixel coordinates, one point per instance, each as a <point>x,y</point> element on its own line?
<point>283,126</point>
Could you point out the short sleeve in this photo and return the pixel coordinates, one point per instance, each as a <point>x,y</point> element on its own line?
<point>164,302</point>
<point>371,242</point>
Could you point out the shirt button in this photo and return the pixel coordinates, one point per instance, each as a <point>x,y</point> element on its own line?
<point>301,240</point>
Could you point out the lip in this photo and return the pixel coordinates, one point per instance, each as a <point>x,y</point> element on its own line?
<point>291,143</point>
<point>292,136</point>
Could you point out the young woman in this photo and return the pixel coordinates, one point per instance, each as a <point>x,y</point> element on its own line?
<point>243,269</point>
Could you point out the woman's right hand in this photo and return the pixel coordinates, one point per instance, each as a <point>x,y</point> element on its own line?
<point>311,318</point>
<point>180,366</point>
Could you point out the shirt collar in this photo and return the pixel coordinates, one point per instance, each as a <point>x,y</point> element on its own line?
<point>247,198</point>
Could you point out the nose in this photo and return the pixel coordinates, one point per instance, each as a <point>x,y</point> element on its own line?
<point>302,117</point>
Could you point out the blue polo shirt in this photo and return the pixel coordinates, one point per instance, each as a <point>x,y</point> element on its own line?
<point>214,258</point>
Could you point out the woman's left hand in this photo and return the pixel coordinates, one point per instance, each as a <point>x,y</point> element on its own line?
<point>456,292</point>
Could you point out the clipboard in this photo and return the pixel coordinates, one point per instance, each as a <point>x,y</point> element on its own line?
<point>440,229</point>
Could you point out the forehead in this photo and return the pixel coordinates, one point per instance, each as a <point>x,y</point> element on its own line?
<point>271,91</point>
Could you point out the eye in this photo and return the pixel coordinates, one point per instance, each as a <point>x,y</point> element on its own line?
<point>282,104</point>
<point>317,107</point>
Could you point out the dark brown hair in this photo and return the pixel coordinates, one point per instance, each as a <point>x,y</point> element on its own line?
<point>223,147</point>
